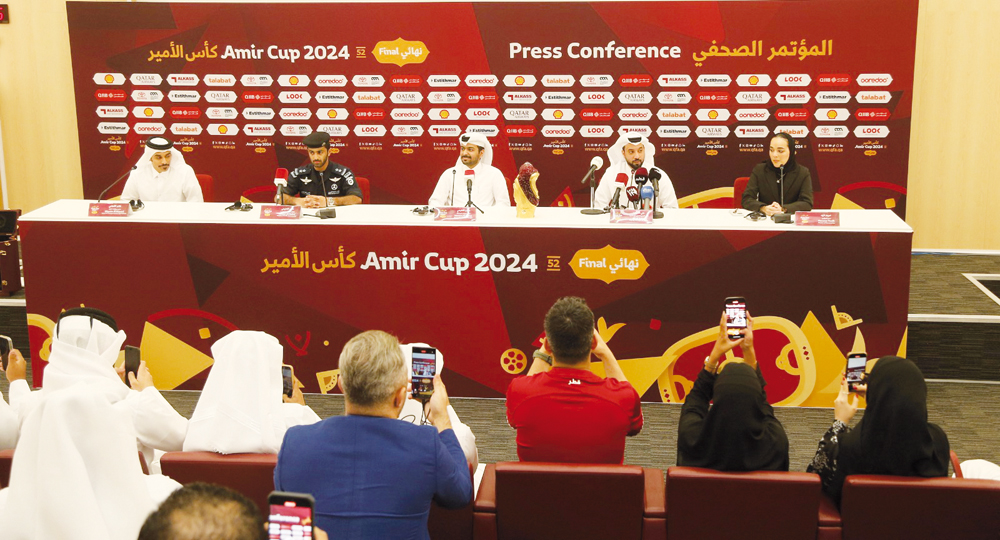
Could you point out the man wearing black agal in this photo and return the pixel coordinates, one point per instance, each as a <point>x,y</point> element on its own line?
<point>321,182</point>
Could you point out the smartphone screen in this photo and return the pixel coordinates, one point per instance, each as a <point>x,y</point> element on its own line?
<point>6,344</point>
<point>287,380</point>
<point>856,369</point>
<point>132,360</point>
<point>423,371</point>
<point>290,516</point>
<point>736,317</point>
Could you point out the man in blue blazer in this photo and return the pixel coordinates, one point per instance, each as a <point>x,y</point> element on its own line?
<point>374,476</point>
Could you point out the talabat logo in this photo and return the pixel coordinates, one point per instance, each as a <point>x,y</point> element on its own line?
<point>609,264</point>
<point>400,52</point>
<point>673,115</point>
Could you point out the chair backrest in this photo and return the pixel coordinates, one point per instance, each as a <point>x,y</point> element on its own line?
<point>739,186</point>
<point>365,186</point>
<point>250,474</point>
<point>571,501</point>
<point>875,506</point>
<point>955,464</point>
<point>207,187</point>
<point>707,504</point>
<point>6,460</point>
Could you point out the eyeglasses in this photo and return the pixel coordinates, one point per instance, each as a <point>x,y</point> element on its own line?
<point>239,206</point>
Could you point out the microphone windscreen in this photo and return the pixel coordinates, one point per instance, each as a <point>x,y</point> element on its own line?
<point>622,178</point>
<point>633,193</point>
<point>281,173</point>
<point>597,162</point>
<point>654,175</point>
<point>641,171</point>
<point>647,192</point>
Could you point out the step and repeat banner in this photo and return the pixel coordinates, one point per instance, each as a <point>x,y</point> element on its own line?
<point>238,86</point>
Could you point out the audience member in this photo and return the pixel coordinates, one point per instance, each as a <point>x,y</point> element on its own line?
<point>9,428</point>
<point>893,438</point>
<point>561,410</point>
<point>242,407</point>
<point>739,431</point>
<point>76,473</point>
<point>373,476</point>
<point>200,511</point>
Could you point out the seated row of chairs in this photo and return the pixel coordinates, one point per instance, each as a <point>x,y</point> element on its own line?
<point>524,500</point>
<point>207,184</point>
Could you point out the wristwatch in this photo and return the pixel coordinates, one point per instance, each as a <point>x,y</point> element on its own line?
<point>540,354</point>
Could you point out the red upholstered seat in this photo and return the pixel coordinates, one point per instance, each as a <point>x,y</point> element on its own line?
<point>905,507</point>
<point>569,501</point>
<point>739,186</point>
<point>250,474</point>
<point>365,185</point>
<point>707,504</point>
<point>207,187</point>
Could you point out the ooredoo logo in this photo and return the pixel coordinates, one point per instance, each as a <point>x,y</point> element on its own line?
<point>874,79</point>
<point>147,112</point>
<point>368,81</point>
<point>759,80</point>
<point>673,115</point>
<point>481,80</point>
<point>833,97</point>
<point>335,130</point>
<point>482,114</point>
<point>223,129</point>
<point>714,80</point>
<point>558,81</point>
<point>221,113</point>
<point>112,127</point>
<point>752,115</point>
<point>673,132</point>
<point>670,81</point>
<point>712,115</point>
<point>634,115</point>
<point>444,131</point>
<point>753,98</point>
<point>632,98</point>
<point>147,96</point>
<point>256,80</point>
<point>519,97</point>
<point>109,78</point>
<point>525,81</point>
<point>260,130</point>
<point>558,131</point>
<point>796,131</point>
<point>444,97</point>
<point>519,115</point>
<point>868,96</point>
<point>793,79</point>
<point>674,98</point>
<point>711,132</point>
<point>557,115</point>
<point>832,115</point>
<point>112,111</point>
<point>220,97</point>
<point>149,128</point>
<point>145,79</point>
<point>257,113</point>
<point>558,97</point>
<point>792,97</point>
<point>406,97</point>
<point>443,81</point>
<point>597,97</point>
<point>182,79</point>
<point>185,129</point>
<point>877,132</point>
<point>183,96</point>
<point>258,96</point>
<point>220,80</point>
<point>331,97</point>
<point>331,114</point>
<point>596,81</point>
<point>596,132</point>
<point>368,97</point>
<point>331,80</point>
<point>444,114</point>
<point>751,132</point>
<point>293,80</point>
<point>406,114</point>
<point>293,113</point>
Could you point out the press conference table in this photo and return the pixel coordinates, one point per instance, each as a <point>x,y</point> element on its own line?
<point>178,276</point>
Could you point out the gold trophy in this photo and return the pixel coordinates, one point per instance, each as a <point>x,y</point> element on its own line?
<point>525,191</point>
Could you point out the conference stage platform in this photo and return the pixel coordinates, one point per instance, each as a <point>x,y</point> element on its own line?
<point>179,276</point>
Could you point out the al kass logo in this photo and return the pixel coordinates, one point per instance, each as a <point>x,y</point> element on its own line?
<point>643,131</point>
<point>400,52</point>
<point>751,132</point>
<point>674,80</point>
<point>609,264</point>
<point>520,97</point>
<point>263,130</point>
<point>792,97</point>
<point>182,79</point>
<point>439,130</point>
<point>112,111</point>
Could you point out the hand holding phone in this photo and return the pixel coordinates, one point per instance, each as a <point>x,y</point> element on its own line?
<point>855,373</point>
<point>422,371</point>
<point>6,344</point>
<point>736,317</point>
<point>132,360</point>
<point>287,380</point>
<point>290,515</point>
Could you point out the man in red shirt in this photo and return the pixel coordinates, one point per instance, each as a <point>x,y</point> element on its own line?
<point>562,411</point>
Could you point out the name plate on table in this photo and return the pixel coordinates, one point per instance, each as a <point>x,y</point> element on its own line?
<point>631,215</point>
<point>110,209</point>
<point>455,213</point>
<point>277,211</point>
<point>818,219</point>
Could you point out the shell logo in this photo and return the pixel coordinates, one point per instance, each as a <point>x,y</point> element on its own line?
<point>331,114</point>
<point>223,130</point>
<point>519,80</point>
<point>753,80</point>
<point>557,152</point>
<point>711,152</point>
<point>831,114</point>
<point>293,80</point>
<point>260,150</point>
<point>147,111</point>
<point>444,115</point>
<point>109,79</point>
<point>713,114</point>
<point>557,115</point>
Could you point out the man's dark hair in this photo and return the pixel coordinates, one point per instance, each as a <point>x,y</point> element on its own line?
<point>200,511</point>
<point>569,329</point>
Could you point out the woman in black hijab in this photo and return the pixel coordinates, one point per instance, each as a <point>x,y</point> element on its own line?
<point>739,431</point>
<point>776,174</point>
<point>893,438</point>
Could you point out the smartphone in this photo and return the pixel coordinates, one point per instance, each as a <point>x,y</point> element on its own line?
<point>6,344</point>
<point>736,317</point>
<point>290,515</point>
<point>856,369</point>
<point>287,380</point>
<point>132,359</point>
<point>424,367</point>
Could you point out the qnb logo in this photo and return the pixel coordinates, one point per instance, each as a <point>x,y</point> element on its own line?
<point>874,79</point>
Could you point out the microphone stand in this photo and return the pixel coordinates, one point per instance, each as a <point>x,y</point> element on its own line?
<point>469,203</point>
<point>593,189</point>
<point>656,196</point>
<point>781,182</point>
<point>128,172</point>
<point>452,201</point>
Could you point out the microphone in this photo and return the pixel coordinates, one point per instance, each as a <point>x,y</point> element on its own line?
<point>633,195</point>
<point>621,180</point>
<point>454,171</point>
<point>281,181</point>
<point>654,178</point>
<point>595,164</point>
<point>128,172</point>
<point>646,195</point>
<point>781,182</point>
<point>469,175</point>
<point>641,176</point>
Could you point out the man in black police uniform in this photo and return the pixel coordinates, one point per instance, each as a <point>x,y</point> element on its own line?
<point>322,182</point>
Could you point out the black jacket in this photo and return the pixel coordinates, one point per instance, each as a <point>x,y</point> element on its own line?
<point>762,189</point>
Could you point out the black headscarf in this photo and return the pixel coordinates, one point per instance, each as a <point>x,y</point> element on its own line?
<point>739,433</point>
<point>790,165</point>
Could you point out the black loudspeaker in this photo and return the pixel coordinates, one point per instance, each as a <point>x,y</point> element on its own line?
<point>8,223</point>
<point>783,218</point>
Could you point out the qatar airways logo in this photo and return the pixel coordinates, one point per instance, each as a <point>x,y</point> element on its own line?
<point>673,115</point>
<point>406,114</point>
<point>792,97</point>
<point>874,79</point>
<point>558,131</point>
<point>221,113</point>
<point>368,97</point>
<point>833,97</point>
<point>294,114</point>
<point>368,81</point>
<point>149,128</point>
<point>519,97</point>
<point>751,132</point>
<point>596,132</point>
<point>183,96</point>
<point>444,97</point>
<point>406,97</point>
<point>260,130</point>
<point>673,132</point>
<point>753,98</point>
<point>331,80</point>
<point>112,112</point>
<point>752,115</point>
<point>795,131</point>
<point>220,97</point>
<point>596,81</point>
<point>331,97</point>
<point>145,79</point>
<point>482,114</point>
<point>795,79</point>
<point>443,81</point>
<point>519,115</point>
<point>112,127</point>
<point>712,115</point>
<point>634,115</point>
<point>558,81</point>
<point>832,115</point>
<point>558,115</point>
<point>331,114</point>
<point>147,112</point>
<point>633,98</point>
<point>712,132</point>
<point>597,97</point>
<point>674,98</point>
<point>642,131</point>
<point>558,97</point>
<point>147,96</point>
<point>256,80</point>
<point>335,130</point>
<point>714,80</point>
<point>185,129</point>
<point>295,130</point>
<point>481,80</point>
<point>524,81</point>
<point>873,97</point>
<point>220,80</point>
<point>407,131</point>
<point>831,132</point>
<point>258,113</point>
<point>182,79</point>
<point>674,81</point>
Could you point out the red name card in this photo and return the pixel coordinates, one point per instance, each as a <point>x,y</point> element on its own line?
<point>631,215</point>
<point>455,213</point>
<point>277,211</point>
<point>110,209</point>
<point>818,219</point>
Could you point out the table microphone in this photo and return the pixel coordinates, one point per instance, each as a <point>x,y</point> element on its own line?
<point>633,196</point>
<point>646,196</point>
<point>128,172</point>
<point>654,178</point>
<point>469,175</point>
<point>621,180</point>
<point>595,164</point>
<point>281,182</point>
<point>641,176</point>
